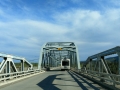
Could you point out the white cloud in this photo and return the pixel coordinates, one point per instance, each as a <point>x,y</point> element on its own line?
<point>28,36</point>
<point>32,27</point>
<point>87,19</point>
<point>92,31</point>
<point>79,18</point>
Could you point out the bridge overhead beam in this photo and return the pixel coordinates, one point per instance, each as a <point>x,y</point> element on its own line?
<point>57,51</point>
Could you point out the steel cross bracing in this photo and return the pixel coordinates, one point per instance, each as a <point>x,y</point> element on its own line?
<point>100,67</point>
<point>8,65</point>
<point>52,53</point>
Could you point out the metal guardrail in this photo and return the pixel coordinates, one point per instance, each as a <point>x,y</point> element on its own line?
<point>97,68</point>
<point>114,80</point>
<point>9,76</point>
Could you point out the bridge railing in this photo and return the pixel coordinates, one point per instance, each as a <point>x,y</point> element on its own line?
<point>9,76</point>
<point>111,79</point>
<point>103,68</point>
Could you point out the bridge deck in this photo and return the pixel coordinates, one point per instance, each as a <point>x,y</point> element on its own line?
<point>54,80</point>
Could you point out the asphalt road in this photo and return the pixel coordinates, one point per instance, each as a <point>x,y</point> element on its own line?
<point>54,80</point>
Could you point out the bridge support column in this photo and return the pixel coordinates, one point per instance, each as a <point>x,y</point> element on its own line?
<point>8,67</point>
<point>48,59</point>
<point>8,64</point>
<point>90,65</point>
<point>78,60</point>
<point>118,62</point>
<point>71,59</point>
<point>22,65</point>
<point>99,64</point>
<point>42,62</point>
<point>40,59</point>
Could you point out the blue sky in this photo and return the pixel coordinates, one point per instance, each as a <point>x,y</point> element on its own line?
<point>25,25</point>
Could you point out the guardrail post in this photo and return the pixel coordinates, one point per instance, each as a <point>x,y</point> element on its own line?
<point>113,83</point>
<point>16,75</point>
<point>4,79</point>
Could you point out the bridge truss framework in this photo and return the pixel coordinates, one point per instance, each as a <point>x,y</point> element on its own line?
<point>52,53</point>
<point>8,63</point>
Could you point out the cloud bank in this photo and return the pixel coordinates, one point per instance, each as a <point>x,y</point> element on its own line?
<point>93,30</point>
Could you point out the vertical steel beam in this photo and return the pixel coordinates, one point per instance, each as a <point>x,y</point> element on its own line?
<point>9,59</point>
<point>118,62</point>
<point>90,64</point>
<point>22,65</point>
<point>71,58</point>
<point>48,59</point>
<point>40,59</point>
<point>96,62</point>
<point>99,63</point>
<point>71,61</point>
<point>8,67</point>
<point>119,65</point>
<point>42,62</point>
<point>78,60</point>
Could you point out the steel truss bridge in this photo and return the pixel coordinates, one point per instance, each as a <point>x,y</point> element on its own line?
<point>99,71</point>
<point>52,53</point>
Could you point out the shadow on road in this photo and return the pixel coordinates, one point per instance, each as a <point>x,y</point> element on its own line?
<point>46,84</point>
<point>81,84</point>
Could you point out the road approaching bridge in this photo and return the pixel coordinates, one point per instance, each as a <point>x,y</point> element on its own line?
<point>54,80</point>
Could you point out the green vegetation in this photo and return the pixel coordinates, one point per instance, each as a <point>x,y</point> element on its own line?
<point>113,66</point>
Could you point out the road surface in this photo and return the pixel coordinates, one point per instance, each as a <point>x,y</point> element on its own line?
<point>54,80</point>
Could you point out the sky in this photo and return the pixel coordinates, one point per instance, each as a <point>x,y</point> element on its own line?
<point>25,25</point>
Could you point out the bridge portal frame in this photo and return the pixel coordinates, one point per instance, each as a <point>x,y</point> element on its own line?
<point>48,51</point>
